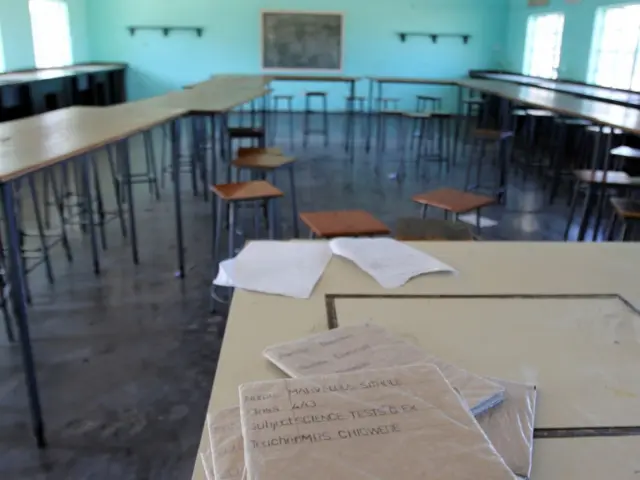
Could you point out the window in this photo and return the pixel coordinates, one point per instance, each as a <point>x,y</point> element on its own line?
<point>51,34</point>
<point>543,45</point>
<point>615,53</point>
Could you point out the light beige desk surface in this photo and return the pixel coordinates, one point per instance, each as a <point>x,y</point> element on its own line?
<point>257,321</point>
<point>604,94</point>
<point>415,80</point>
<point>33,143</point>
<point>628,119</point>
<point>206,99</point>
<point>313,78</point>
<point>17,78</point>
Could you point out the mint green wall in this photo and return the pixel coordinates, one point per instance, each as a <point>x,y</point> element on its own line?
<point>15,27</point>
<point>231,42</point>
<point>578,30</point>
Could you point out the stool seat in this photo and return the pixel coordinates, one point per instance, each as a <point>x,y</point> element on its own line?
<point>255,190</point>
<point>246,132</point>
<point>627,152</point>
<point>627,208</point>
<point>605,130</point>
<point>358,99</point>
<point>427,97</point>
<point>316,94</point>
<point>416,114</point>
<point>283,97</point>
<point>441,115</point>
<point>417,229</point>
<point>244,151</point>
<point>519,112</point>
<point>573,121</point>
<point>491,135</point>
<point>394,111</point>
<point>540,113</point>
<point>452,200</point>
<point>345,223</point>
<point>262,161</point>
<point>612,177</point>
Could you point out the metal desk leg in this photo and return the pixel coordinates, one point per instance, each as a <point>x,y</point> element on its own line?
<point>175,161</point>
<point>352,121</point>
<point>588,206</point>
<point>126,165</point>
<point>20,311</point>
<point>294,202</point>
<point>602,194</point>
<point>458,120</point>
<point>370,117</point>
<point>85,163</point>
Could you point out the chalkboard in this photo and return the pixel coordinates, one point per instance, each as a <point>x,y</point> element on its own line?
<point>309,41</point>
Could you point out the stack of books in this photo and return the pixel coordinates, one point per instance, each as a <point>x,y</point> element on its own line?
<point>364,404</point>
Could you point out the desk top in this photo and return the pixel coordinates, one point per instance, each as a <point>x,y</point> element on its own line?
<point>417,81</point>
<point>18,78</point>
<point>592,91</point>
<point>312,77</point>
<point>33,143</point>
<point>575,334</point>
<point>626,118</point>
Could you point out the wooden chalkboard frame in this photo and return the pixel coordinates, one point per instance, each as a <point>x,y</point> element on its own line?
<point>302,12</point>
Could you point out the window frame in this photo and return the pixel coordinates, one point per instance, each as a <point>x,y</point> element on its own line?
<point>527,63</point>
<point>596,50</point>
<point>66,58</point>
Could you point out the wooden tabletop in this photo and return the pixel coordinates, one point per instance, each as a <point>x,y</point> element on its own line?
<point>558,315</point>
<point>593,91</point>
<point>313,77</point>
<point>33,143</point>
<point>18,78</point>
<point>625,118</point>
<point>415,80</point>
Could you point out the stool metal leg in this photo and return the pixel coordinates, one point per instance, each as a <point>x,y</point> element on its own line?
<point>16,275</point>
<point>117,190</point>
<point>272,218</point>
<point>99,202</point>
<point>175,162</point>
<point>126,163</point>
<point>291,123</point>
<point>84,167</point>
<point>325,121</point>
<point>41,232</point>
<point>59,204</point>
<point>294,203</point>
<point>307,113</point>
<point>232,228</point>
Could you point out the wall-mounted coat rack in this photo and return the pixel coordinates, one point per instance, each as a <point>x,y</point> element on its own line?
<point>166,30</point>
<point>434,36</point>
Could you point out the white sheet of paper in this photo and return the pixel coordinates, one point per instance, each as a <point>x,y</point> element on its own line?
<point>291,269</point>
<point>389,262</point>
<point>472,219</point>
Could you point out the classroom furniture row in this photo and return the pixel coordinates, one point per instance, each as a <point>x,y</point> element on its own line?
<point>626,98</point>
<point>27,92</point>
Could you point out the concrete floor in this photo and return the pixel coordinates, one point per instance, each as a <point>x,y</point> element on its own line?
<point>126,361</point>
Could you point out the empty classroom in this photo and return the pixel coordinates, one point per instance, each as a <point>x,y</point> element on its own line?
<point>438,195</point>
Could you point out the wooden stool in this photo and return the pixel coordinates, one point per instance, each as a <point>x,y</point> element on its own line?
<point>346,223</point>
<point>255,134</point>
<point>424,101</point>
<point>628,210</point>
<point>623,154</point>
<point>235,193</point>
<point>595,181</point>
<point>483,138</point>
<point>308,111</point>
<point>288,101</point>
<point>355,105</point>
<point>417,229</point>
<point>453,201</point>
<point>268,164</point>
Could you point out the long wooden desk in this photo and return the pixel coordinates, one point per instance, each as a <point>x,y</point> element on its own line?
<point>592,92</point>
<point>562,316</point>
<point>625,118</point>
